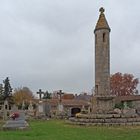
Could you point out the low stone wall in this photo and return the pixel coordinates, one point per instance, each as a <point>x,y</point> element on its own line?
<point>105,119</point>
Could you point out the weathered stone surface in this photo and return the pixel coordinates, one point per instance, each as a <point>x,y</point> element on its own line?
<point>117,110</point>
<point>131,119</point>
<point>116,115</point>
<point>138,111</point>
<point>129,112</point>
<point>120,120</point>
<point>102,71</point>
<point>107,120</point>
<point>103,116</point>
<point>136,123</point>
<point>138,119</point>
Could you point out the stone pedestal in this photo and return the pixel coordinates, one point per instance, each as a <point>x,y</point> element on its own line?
<point>60,108</point>
<point>30,110</point>
<point>40,112</point>
<point>104,104</point>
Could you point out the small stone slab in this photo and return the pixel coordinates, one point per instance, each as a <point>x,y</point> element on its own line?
<point>17,124</point>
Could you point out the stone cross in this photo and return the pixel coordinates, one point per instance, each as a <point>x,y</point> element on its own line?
<point>40,92</point>
<point>102,10</point>
<point>60,93</point>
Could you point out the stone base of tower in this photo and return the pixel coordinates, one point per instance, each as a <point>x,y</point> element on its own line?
<point>105,120</point>
<point>103,114</point>
<point>103,104</point>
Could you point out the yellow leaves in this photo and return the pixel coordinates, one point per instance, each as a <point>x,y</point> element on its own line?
<point>22,94</point>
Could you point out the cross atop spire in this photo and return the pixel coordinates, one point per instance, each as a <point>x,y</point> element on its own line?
<point>102,10</point>
<point>102,22</point>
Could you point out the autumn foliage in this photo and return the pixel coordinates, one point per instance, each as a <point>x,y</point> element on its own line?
<point>22,94</point>
<point>123,84</point>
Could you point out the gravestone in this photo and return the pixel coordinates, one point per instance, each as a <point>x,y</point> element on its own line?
<point>40,107</point>
<point>30,110</point>
<point>17,124</point>
<point>23,105</point>
<point>47,109</point>
<point>14,108</point>
<point>60,108</point>
<point>40,110</point>
<point>5,110</point>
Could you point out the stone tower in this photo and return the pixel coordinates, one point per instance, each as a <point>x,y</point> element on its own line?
<point>102,65</point>
<point>102,111</point>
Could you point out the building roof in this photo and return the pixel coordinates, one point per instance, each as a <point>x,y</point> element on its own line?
<point>67,102</point>
<point>68,96</point>
<point>84,97</point>
<point>102,22</point>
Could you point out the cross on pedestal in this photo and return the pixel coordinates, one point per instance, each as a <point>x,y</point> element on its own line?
<point>40,92</point>
<point>60,93</point>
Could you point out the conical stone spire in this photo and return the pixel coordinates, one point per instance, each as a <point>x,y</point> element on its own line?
<point>102,22</point>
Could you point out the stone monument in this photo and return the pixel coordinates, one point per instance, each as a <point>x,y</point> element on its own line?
<point>40,93</point>
<point>103,112</point>
<point>5,110</point>
<point>30,107</point>
<point>30,110</point>
<point>40,107</point>
<point>40,110</point>
<point>102,65</point>
<point>60,105</point>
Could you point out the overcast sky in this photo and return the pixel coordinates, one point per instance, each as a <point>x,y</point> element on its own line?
<point>49,44</point>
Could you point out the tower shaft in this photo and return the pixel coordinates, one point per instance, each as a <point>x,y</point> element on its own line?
<point>102,62</point>
<point>104,102</point>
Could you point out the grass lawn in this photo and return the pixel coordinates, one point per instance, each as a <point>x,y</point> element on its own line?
<point>59,130</point>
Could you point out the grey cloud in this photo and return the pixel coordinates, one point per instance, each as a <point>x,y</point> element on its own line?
<point>50,44</point>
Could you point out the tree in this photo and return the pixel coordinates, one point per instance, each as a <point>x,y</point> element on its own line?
<point>7,90</point>
<point>1,89</point>
<point>123,84</point>
<point>47,95</point>
<point>1,93</point>
<point>22,94</point>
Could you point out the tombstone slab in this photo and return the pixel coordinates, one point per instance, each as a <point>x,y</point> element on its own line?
<point>17,124</point>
